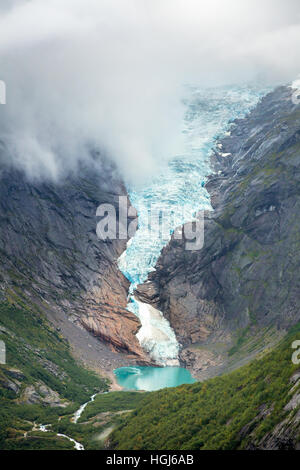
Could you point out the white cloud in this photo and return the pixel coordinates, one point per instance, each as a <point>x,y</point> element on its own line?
<point>109,74</point>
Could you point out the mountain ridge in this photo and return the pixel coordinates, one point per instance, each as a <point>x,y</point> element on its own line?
<point>243,286</point>
<point>51,257</point>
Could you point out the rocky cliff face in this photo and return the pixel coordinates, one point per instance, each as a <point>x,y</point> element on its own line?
<point>241,290</point>
<point>51,256</point>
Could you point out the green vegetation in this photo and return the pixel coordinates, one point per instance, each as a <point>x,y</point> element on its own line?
<point>102,414</point>
<point>45,442</point>
<point>114,401</point>
<point>41,356</point>
<point>209,415</point>
<point>216,413</point>
<point>241,339</point>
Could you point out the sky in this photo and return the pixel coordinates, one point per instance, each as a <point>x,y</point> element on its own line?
<point>109,74</point>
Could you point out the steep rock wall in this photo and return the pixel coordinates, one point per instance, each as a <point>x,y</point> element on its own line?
<point>245,281</point>
<point>50,254</point>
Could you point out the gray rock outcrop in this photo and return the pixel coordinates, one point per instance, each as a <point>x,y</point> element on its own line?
<point>246,279</point>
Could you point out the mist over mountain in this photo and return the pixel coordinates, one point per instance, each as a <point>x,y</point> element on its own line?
<point>173,106</point>
<point>109,75</point>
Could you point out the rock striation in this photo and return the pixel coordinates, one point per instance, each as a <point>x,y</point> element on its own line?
<point>245,281</point>
<point>50,255</point>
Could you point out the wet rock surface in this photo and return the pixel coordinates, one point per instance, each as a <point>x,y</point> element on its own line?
<point>246,277</point>
<point>42,394</point>
<point>284,436</point>
<point>51,257</point>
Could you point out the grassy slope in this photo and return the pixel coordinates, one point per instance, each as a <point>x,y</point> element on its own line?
<point>30,341</point>
<point>114,401</point>
<point>214,414</point>
<point>99,415</point>
<point>208,415</point>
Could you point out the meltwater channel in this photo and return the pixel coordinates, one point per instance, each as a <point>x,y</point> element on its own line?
<point>179,191</point>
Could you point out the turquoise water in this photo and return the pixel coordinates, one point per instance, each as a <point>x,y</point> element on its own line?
<point>152,378</point>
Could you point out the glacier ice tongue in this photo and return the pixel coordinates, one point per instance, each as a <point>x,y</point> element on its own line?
<point>179,192</point>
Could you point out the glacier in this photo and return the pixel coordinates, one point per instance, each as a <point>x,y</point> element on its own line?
<point>178,191</point>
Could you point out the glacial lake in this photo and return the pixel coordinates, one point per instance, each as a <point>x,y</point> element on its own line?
<point>152,378</point>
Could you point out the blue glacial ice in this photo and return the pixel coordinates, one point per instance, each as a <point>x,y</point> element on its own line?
<point>179,192</point>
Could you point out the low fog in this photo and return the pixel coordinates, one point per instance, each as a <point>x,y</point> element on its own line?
<point>109,75</point>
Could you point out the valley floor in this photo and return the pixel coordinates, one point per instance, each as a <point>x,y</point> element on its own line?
<point>255,407</point>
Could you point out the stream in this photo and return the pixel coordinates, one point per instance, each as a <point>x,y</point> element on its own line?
<point>76,416</point>
<point>80,410</point>
<point>77,445</point>
<point>178,191</point>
